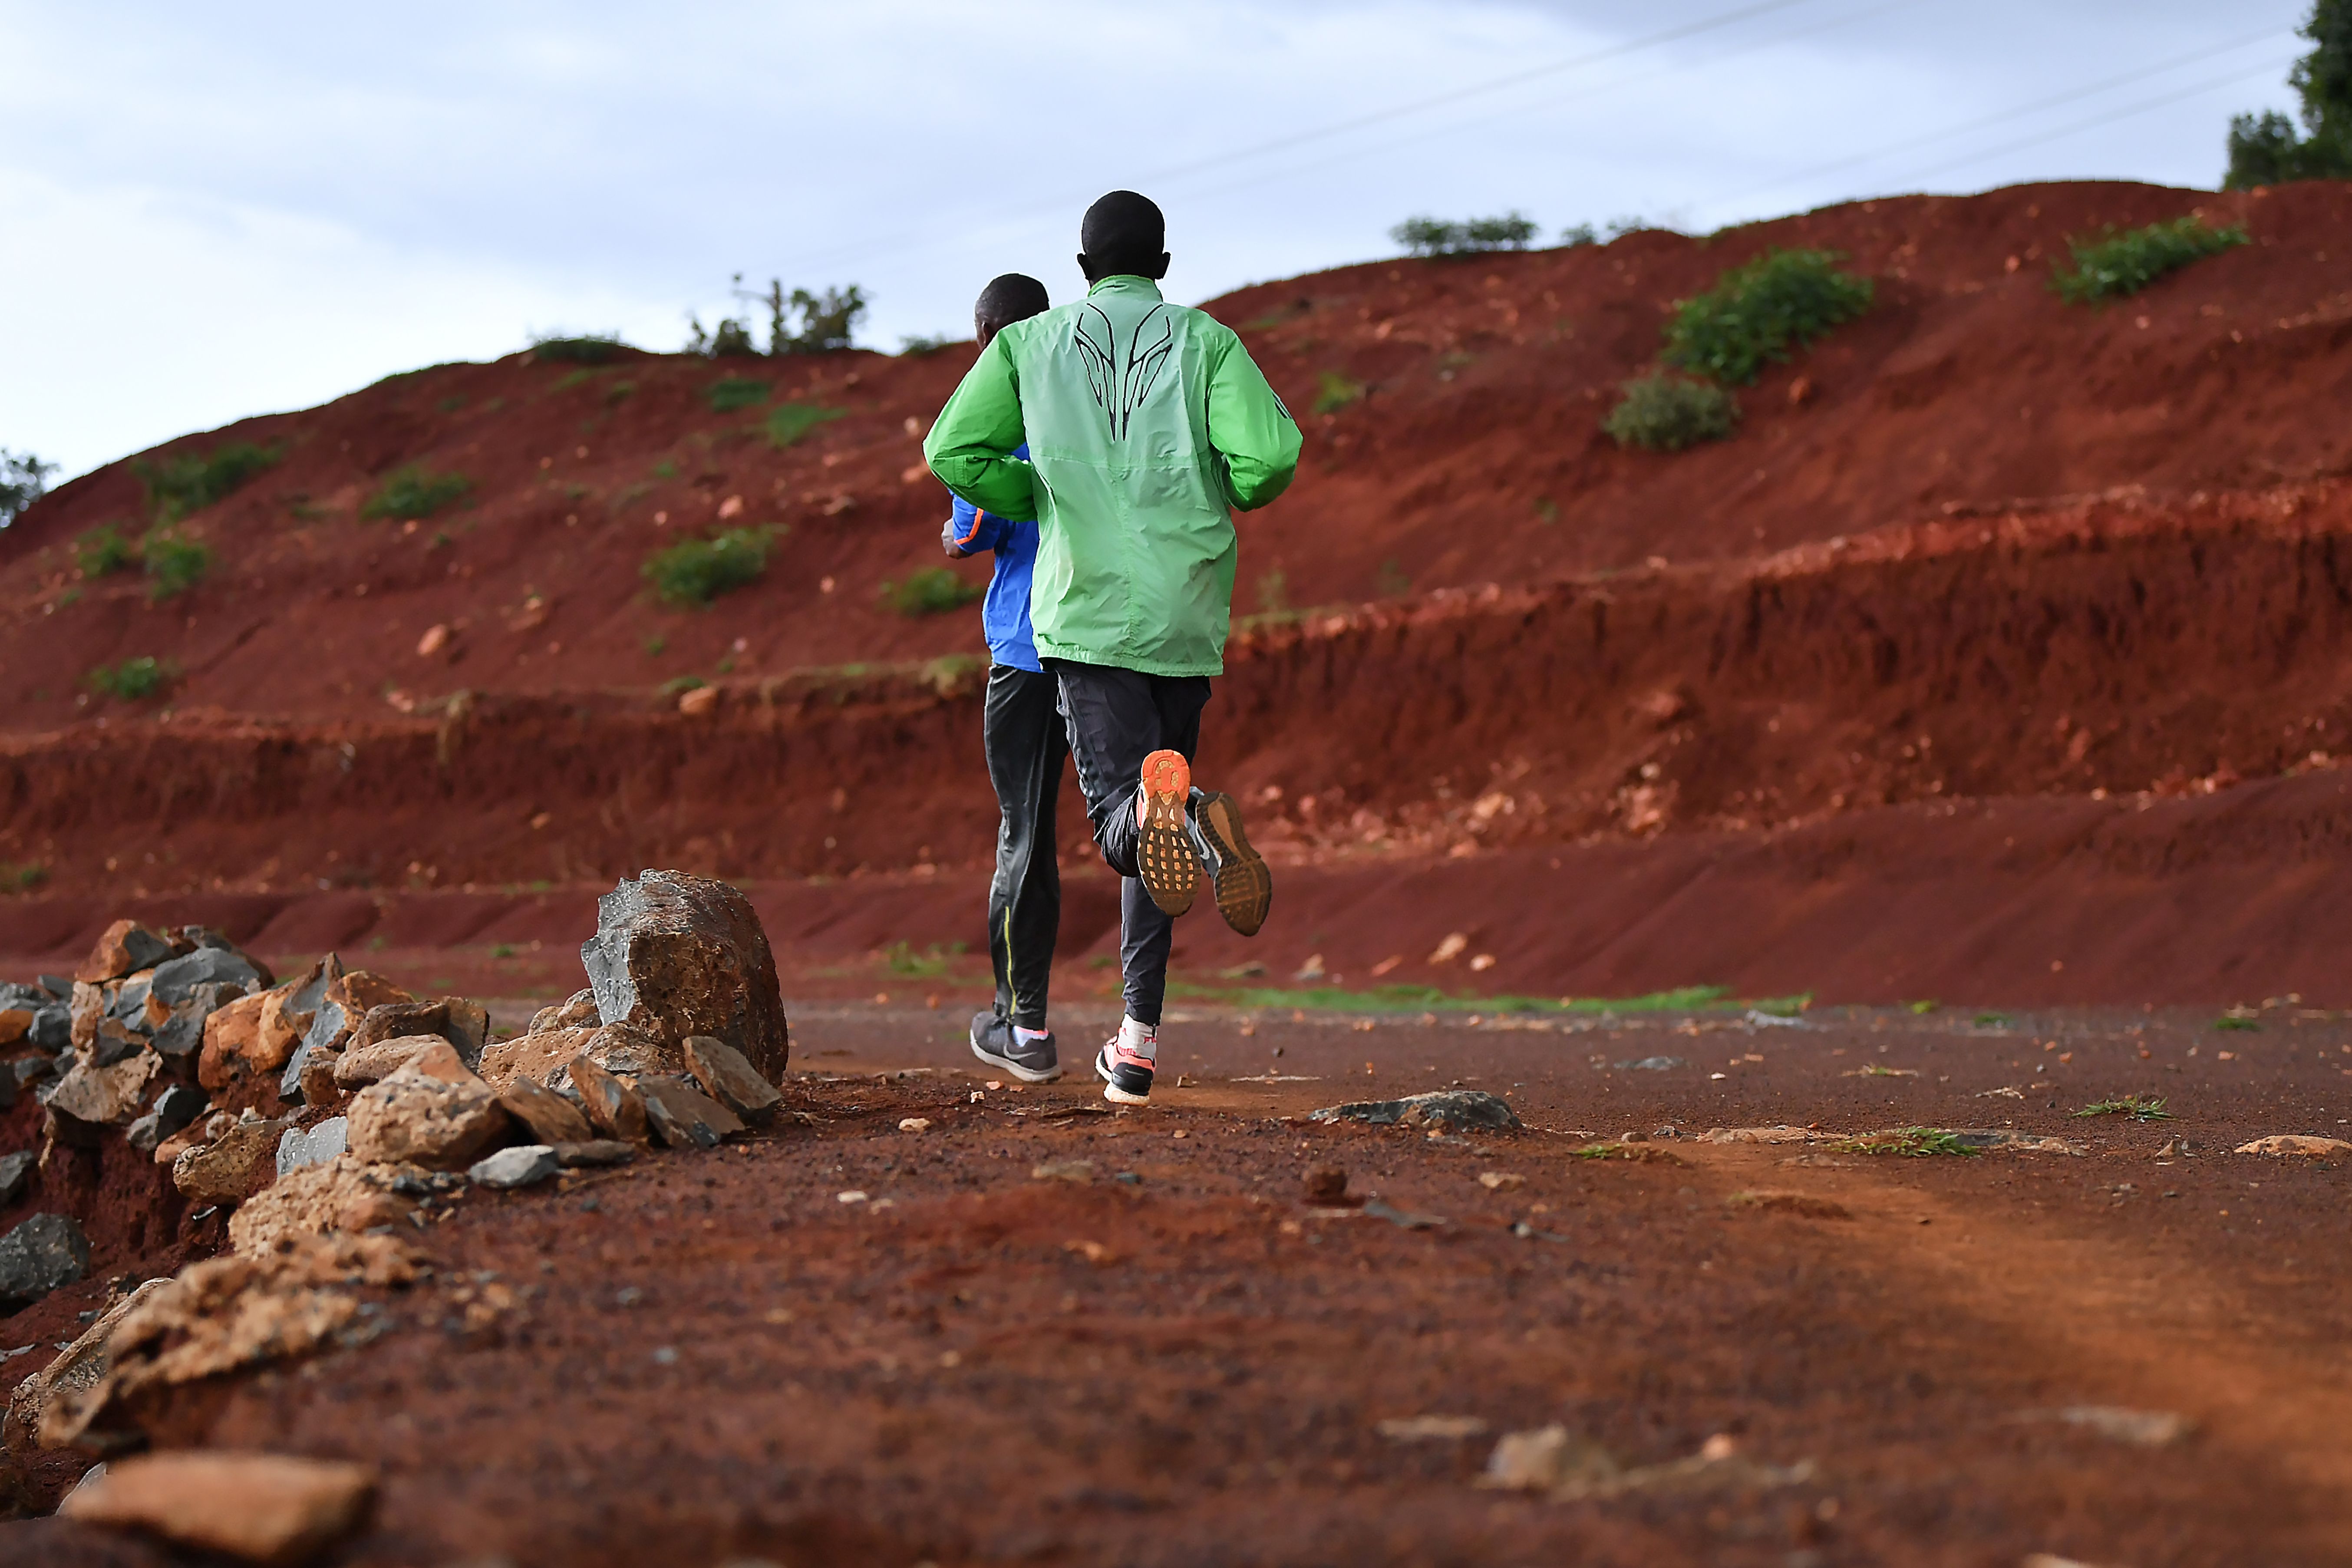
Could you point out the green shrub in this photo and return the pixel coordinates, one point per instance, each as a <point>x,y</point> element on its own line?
<point>588,348</point>
<point>1334,392</point>
<point>178,486</point>
<point>22,879</point>
<point>933,591</point>
<point>175,562</point>
<point>915,345</point>
<point>1780,301</point>
<point>2117,265</point>
<point>697,570</point>
<point>1665,412</point>
<point>103,552</point>
<point>2265,149</point>
<point>736,391</point>
<point>133,679</point>
<point>791,421</point>
<point>414,492</point>
<point>24,479</point>
<point>1439,236</point>
<point>827,321</point>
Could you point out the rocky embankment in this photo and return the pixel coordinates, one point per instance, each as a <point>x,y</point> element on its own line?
<point>315,1127</point>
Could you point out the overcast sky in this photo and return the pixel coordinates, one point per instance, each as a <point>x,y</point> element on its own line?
<point>211,211</point>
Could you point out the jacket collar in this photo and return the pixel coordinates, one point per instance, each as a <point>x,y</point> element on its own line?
<point>1125,283</point>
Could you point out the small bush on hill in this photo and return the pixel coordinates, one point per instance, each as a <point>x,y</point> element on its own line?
<point>792,421</point>
<point>175,563</point>
<point>697,570</point>
<point>178,486</point>
<point>1334,392</point>
<point>1440,237</point>
<point>2117,265</point>
<point>1666,413</point>
<point>1780,301</point>
<point>827,321</point>
<point>103,552</point>
<point>132,680</point>
<point>933,591</point>
<point>588,348</point>
<point>24,479</point>
<point>414,493</point>
<point>1579,234</point>
<point>736,391</point>
<point>915,345</point>
<point>730,339</point>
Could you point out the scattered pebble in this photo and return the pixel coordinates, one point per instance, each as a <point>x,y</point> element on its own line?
<point>914,1124</point>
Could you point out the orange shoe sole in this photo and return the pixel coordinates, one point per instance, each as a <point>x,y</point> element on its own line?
<point>1163,855</point>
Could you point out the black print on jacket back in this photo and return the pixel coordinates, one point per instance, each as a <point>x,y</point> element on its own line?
<point>1121,384</point>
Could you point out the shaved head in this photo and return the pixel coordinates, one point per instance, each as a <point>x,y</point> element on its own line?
<point>1014,297</point>
<point>1123,232</point>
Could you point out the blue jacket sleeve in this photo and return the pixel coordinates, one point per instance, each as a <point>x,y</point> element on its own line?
<point>976,531</point>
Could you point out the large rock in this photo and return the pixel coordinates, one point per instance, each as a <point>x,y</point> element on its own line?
<point>236,1163</point>
<point>413,1118</point>
<point>578,1012</point>
<point>174,1110</point>
<point>176,978</point>
<point>180,1031</point>
<point>540,1056</point>
<point>16,1172</point>
<point>315,1145</point>
<point>45,1252</point>
<point>125,947</point>
<point>361,1065</point>
<point>464,1025</point>
<point>89,1100</point>
<point>345,1196</point>
<point>257,1508</point>
<point>728,1078</point>
<point>342,1003</point>
<point>685,1116</point>
<point>233,1049</point>
<point>52,1029</point>
<point>614,1107</point>
<point>76,1370</point>
<point>676,955</point>
<point>550,1117</point>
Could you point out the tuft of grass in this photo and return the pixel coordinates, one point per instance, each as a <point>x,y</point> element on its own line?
<point>2119,263</point>
<point>1909,1142</point>
<point>2232,1021</point>
<point>132,680</point>
<point>2139,1107</point>
<point>915,345</point>
<point>414,492</point>
<point>1991,1020</point>
<point>932,590</point>
<point>175,563</point>
<point>788,423</point>
<point>933,960</point>
<point>1781,301</point>
<point>103,552</point>
<point>588,348</point>
<point>1334,392</point>
<point>503,950</point>
<point>655,646</point>
<point>677,684</point>
<point>1782,1006</point>
<point>1924,1007</point>
<point>23,878</point>
<point>1661,411</point>
<point>178,486</point>
<point>730,393</point>
<point>697,570</point>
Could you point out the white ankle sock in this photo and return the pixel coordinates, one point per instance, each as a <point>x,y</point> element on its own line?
<point>1143,1039</point>
<point>1028,1035</point>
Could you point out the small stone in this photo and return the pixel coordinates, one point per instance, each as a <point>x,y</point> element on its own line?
<point>1543,1458</point>
<point>1062,1171</point>
<point>2296,1143</point>
<point>414,1118</point>
<point>2139,1429</point>
<point>260,1508</point>
<point>43,1253</point>
<point>1454,1110</point>
<point>517,1167</point>
<point>361,1065</point>
<point>550,1117</point>
<point>234,1165</point>
<point>124,948</point>
<point>314,1145</point>
<point>914,1124</point>
<point>52,1029</point>
<point>684,1116</point>
<point>729,1078</point>
<point>1501,1181</point>
<point>1325,1185</point>
<point>15,1173</point>
<point>176,978</point>
<point>89,1100</point>
<point>594,1152</point>
<point>614,1107</point>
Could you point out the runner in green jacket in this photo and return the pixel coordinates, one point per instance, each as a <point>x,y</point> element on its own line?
<point>1148,425</point>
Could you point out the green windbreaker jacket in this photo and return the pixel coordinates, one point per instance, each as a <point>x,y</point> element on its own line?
<point>1147,424</point>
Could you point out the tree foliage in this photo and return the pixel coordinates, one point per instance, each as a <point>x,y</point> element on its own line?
<point>22,479</point>
<point>2265,149</point>
<point>1443,236</point>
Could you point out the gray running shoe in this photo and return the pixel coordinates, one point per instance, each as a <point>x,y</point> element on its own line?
<point>1243,885</point>
<point>995,1042</point>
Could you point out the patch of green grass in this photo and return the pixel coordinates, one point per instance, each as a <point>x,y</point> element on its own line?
<point>1664,413</point>
<point>655,646</point>
<point>576,378</point>
<point>2119,263</point>
<point>1780,301</point>
<point>665,470</point>
<point>1991,1020</point>
<point>178,486</point>
<point>103,552</point>
<point>414,492</point>
<point>1334,392</point>
<point>23,878</point>
<point>1909,1142</point>
<point>930,963</point>
<point>2139,1107</point>
<point>589,348</point>
<point>132,680</point>
<point>733,391</point>
<point>1547,510</point>
<point>1393,580</point>
<point>932,590</point>
<point>619,392</point>
<point>1782,1006</point>
<point>175,563</point>
<point>788,423</point>
<point>678,683</point>
<point>697,570</point>
<point>2232,1021</point>
<point>1924,1007</point>
<point>503,950</point>
<point>450,404</point>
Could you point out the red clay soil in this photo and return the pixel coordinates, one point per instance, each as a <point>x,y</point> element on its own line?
<point>708,1358</point>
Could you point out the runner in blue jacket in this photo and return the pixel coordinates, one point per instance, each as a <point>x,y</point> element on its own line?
<point>1027,744</point>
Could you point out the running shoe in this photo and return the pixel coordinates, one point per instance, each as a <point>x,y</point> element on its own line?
<point>995,1041</point>
<point>1126,1071</point>
<point>1243,886</point>
<point>1164,856</point>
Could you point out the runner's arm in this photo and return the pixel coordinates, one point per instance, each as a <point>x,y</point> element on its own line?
<point>1250,428</point>
<point>970,445</point>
